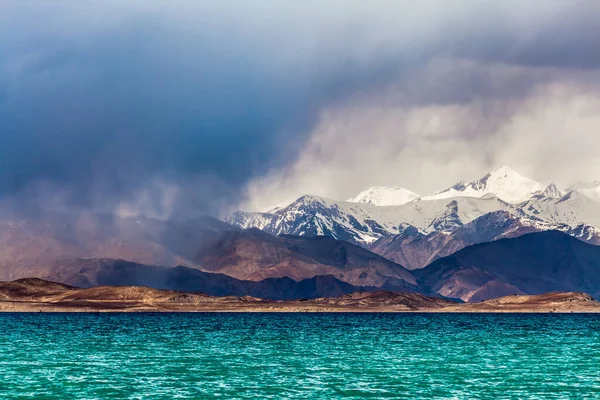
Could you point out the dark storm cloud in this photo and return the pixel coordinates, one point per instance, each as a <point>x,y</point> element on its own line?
<point>101,100</point>
<point>116,107</point>
<point>540,34</point>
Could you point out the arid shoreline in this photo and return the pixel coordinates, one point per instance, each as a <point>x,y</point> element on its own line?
<point>133,308</point>
<point>36,295</point>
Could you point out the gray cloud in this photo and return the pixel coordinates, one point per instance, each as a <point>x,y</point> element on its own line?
<point>550,134</point>
<point>172,109</point>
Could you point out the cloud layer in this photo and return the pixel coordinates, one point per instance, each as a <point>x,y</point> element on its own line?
<point>181,108</point>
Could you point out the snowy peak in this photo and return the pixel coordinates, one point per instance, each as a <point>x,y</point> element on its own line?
<point>551,191</point>
<point>382,212</point>
<point>384,196</point>
<point>506,183</point>
<point>506,171</point>
<point>246,220</point>
<point>505,174</point>
<point>448,221</point>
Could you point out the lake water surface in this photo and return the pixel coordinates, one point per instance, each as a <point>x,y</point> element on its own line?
<point>207,355</point>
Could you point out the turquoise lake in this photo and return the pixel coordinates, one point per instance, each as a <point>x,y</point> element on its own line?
<point>206,355</point>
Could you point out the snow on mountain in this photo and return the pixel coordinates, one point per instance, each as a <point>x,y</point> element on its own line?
<point>550,191</point>
<point>414,250</point>
<point>571,209</point>
<point>505,183</point>
<point>384,196</point>
<point>365,223</point>
<point>367,218</point>
<point>590,190</point>
<point>246,220</point>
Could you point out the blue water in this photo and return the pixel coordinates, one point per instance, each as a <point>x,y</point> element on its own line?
<point>166,356</point>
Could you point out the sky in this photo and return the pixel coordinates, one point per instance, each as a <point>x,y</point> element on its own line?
<point>177,109</point>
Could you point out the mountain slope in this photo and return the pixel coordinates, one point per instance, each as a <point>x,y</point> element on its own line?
<point>537,206</point>
<point>505,183</point>
<point>572,209</point>
<point>106,272</point>
<point>363,223</point>
<point>413,249</point>
<point>255,255</point>
<point>30,242</point>
<point>29,247</point>
<point>531,264</point>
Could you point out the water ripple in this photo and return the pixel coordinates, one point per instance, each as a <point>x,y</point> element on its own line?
<point>304,356</point>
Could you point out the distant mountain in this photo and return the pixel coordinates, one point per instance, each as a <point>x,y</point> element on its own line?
<point>35,242</point>
<point>430,220</point>
<point>363,223</point>
<point>504,183</point>
<point>550,191</point>
<point>107,272</point>
<point>414,250</point>
<point>355,243</point>
<point>255,255</point>
<point>37,246</point>
<point>573,208</point>
<point>531,264</point>
<point>384,196</point>
<point>247,220</point>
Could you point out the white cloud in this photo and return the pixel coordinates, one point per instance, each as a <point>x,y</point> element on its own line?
<point>550,131</point>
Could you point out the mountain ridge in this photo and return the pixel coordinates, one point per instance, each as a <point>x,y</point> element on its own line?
<point>533,263</point>
<point>504,182</point>
<point>535,205</point>
<point>110,272</point>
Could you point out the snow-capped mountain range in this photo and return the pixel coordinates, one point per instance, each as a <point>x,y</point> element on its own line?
<point>381,213</point>
<point>505,183</point>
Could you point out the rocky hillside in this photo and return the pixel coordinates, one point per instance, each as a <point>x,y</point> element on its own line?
<point>531,264</point>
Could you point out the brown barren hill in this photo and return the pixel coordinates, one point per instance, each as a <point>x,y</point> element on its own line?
<point>39,295</point>
<point>256,255</point>
<point>535,263</point>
